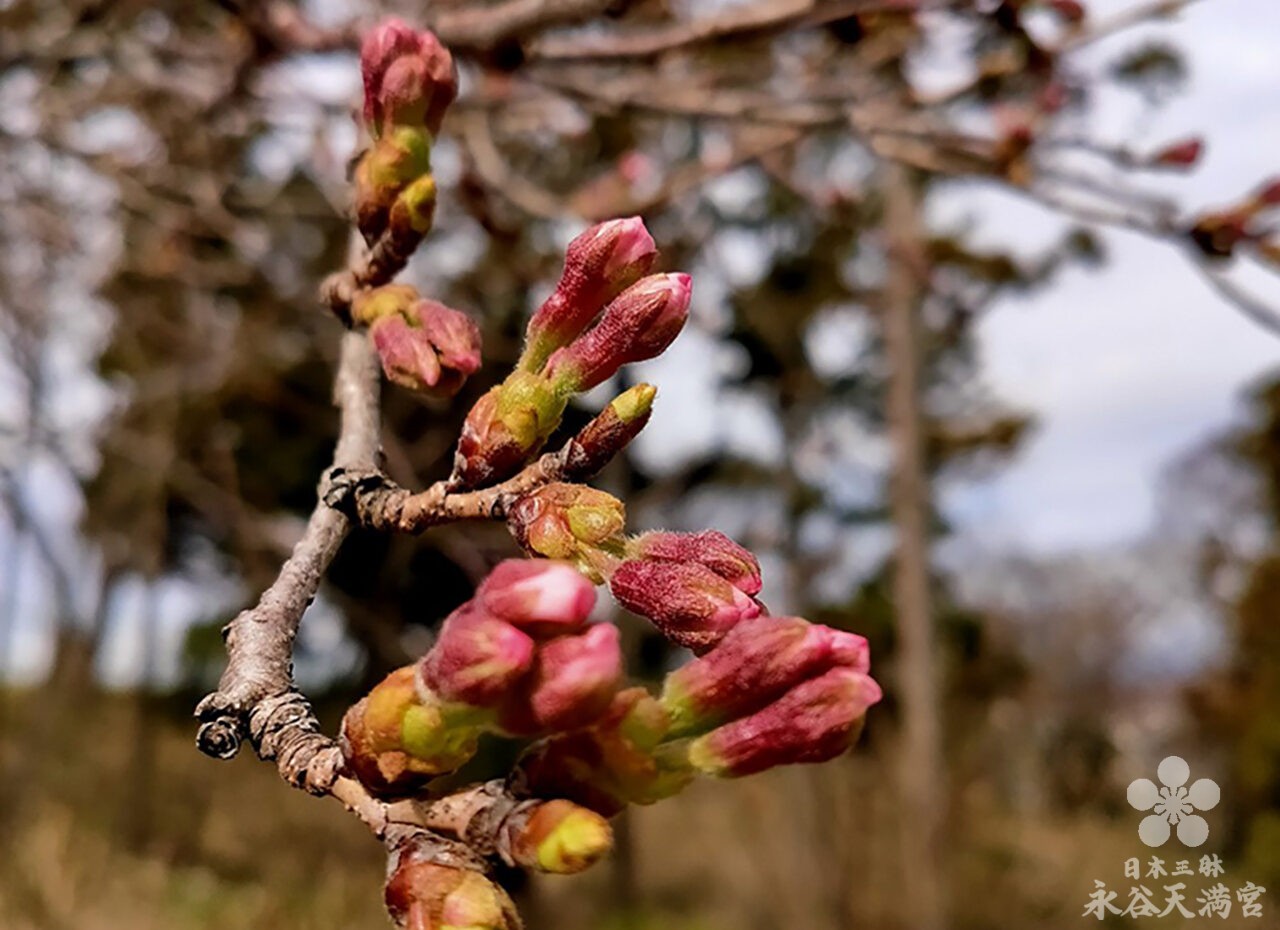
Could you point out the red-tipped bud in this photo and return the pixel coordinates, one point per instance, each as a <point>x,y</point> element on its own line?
<point>598,265</point>
<point>609,432</point>
<point>1181,154</point>
<point>560,837</point>
<point>710,548</point>
<point>815,721</point>
<point>692,605</point>
<point>395,739</point>
<point>432,349</point>
<point>505,429</point>
<point>424,895</point>
<point>638,325</point>
<point>756,662</point>
<point>542,598</point>
<point>409,78</point>
<point>477,658</point>
<point>570,521</point>
<point>574,678</point>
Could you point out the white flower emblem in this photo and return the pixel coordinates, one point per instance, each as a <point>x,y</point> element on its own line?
<point>1173,804</point>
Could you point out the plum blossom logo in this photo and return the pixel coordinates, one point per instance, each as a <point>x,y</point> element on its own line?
<point>1173,804</point>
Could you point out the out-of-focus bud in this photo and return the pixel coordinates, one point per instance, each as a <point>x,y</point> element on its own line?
<point>619,760</point>
<point>477,658</point>
<point>815,721</point>
<point>710,548</point>
<point>1268,194</point>
<point>570,521</point>
<point>1072,11</point>
<point>505,429</point>
<point>394,742</point>
<point>1218,234</point>
<point>395,161</point>
<point>692,605</point>
<point>425,895</point>
<point>638,325</point>
<point>425,347</point>
<point>543,599</point>
<point>560,837</point>
<point>1182,154</point>
<point>573,681</point>
<point>409,78</point>
<point>598,265</point>
<point>757,662</point>
<point>412,213</point>
<point>610,431</point>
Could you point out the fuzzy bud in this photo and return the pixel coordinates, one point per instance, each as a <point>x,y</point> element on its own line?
<point>569,521</point>
<point>610,431</point>
<point>638,325</point>
<point>477,659</point>
<point>394,741</point>
<point>573,681</point>
<point>388,171</point>
<point>425,895</point>
<point>757,662</point>
<point>505,429</point>
<point>692,605</point>
<point>1183,154</point>
<point>431,348</point>
<point>409,78</point>
<point>598,265</point>
<point>543,599</point>
<point>813,722</point>
<point>560,837</point>
<point>710,548</point>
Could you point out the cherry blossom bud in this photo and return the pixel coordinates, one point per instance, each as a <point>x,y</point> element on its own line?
<point>412,213</point>
<point>477,658</point>
<point>756,663</point>
<point>610,431</point>
<point>425,895</point>
<point>505,429</point>
<point>409,78</point>
<point>395,161</point>
<point>573,681</point>
<point>618,760</point>
<point>640,323</point>
<point>395,741</point>
<point>543,599</point>
<point>692,605</point>
<point>815,721</point>
<point>570,521</point>
<point>710,548</point>
<point>1181,154</point>
<point>1218,234</point>
<point>431,348</point>
<point>562,838</point>
<point>598,265</point>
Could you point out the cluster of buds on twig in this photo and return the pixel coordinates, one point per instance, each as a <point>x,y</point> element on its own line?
<point>423,345</point>
<point>636,317</point>
<point>409,82</point>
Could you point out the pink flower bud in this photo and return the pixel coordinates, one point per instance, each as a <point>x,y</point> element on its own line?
<point>569,521</point>
<point>692,605</point>
<point>541,598</point>
<point>598,265</point>
<point>505,429</point>
<point>422,894</point>
<point>710,548</point>
<point>454,334</point>
<point>409,78</point>
<point>638,325</point>
<point>477,659</point>
<point>756,662</point>
<point>813,722</point>
<point>573,681</point>
<point>1182,154</point>
<point>434,356</point>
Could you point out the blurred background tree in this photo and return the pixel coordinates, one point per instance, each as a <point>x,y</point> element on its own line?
<point>174,188</point>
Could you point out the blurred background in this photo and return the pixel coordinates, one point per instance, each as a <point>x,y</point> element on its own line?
<point>984,362</point>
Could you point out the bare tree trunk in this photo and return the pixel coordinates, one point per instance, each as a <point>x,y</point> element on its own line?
<point>922,780</point>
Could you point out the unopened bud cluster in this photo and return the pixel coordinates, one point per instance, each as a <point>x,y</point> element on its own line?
<point>409,82</point>
<point>423,345</point>
<point>604,313</point>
